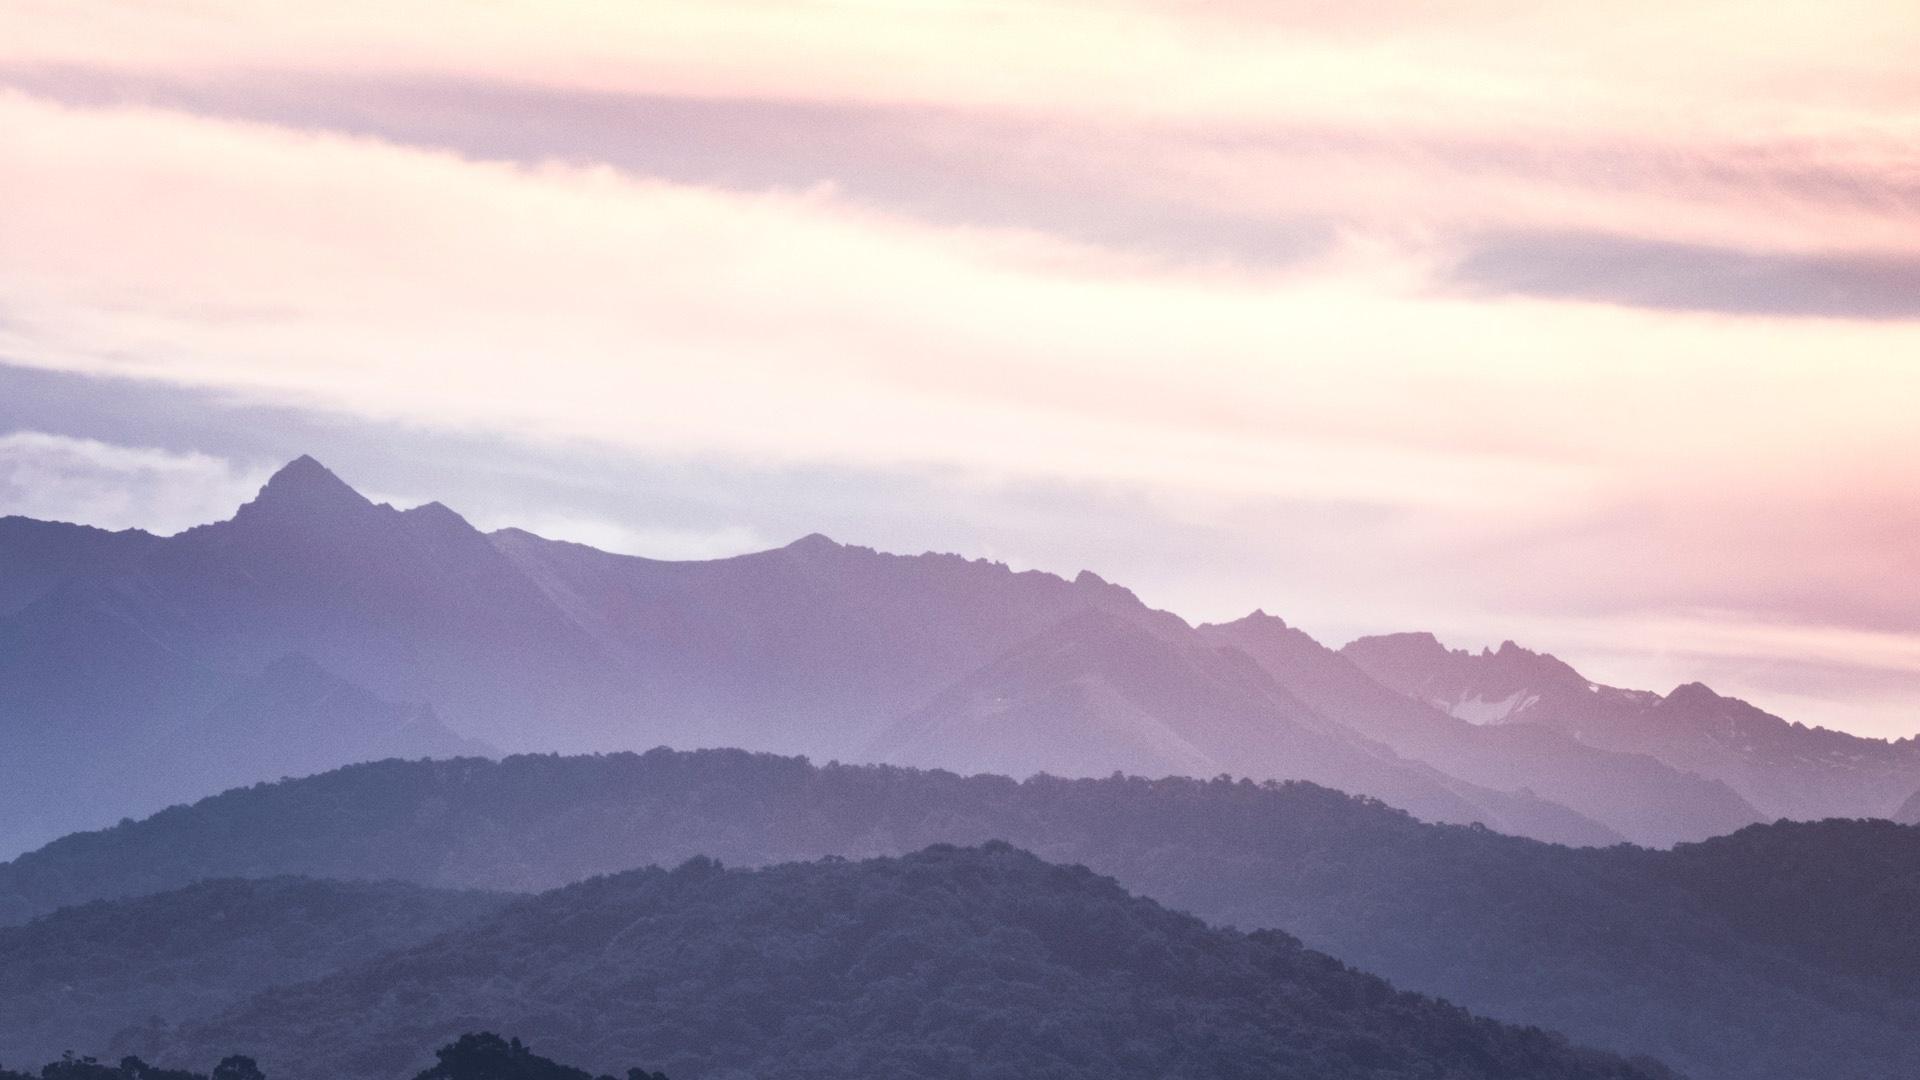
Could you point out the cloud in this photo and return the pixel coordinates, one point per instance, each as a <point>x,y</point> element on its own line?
<point>570,304</point>
<point>1482,65</point>
<point>1266,194</point>
<point>1251,132</point>
<point>58,478</point>
<point>646,541</point>
<point>1643,273</point>
<point>932,165</point>
<point>561,302</point>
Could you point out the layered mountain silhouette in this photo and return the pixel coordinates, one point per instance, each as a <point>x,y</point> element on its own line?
<point>949,962</point>
<point>1780,952</point>
<point>1160,699</point>
<point>409,632</point>
<point>1784,769</point>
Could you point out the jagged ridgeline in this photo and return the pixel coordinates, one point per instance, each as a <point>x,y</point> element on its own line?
<point>1805,965</point>
<point>317,628</point>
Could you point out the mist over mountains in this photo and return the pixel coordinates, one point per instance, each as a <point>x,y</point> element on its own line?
<point>1455,822</point>
<point>317,628</point>
<point>1592,329</point>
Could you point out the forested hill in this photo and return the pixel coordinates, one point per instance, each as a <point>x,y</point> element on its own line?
<point>71,980</point>
<point>1634,950</point>
<point>947,963</point>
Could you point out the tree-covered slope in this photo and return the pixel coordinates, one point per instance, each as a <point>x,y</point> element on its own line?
<point>73,979</point>
<point>981,962</point>
<point>1631,949</point>
<point>1843,895</point>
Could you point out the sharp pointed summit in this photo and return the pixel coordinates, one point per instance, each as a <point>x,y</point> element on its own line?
<point>304,487</point>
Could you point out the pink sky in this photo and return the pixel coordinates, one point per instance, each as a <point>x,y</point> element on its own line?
<point>1594,326</point>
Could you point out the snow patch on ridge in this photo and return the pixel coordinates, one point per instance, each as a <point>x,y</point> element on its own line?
<point>1478,710</point>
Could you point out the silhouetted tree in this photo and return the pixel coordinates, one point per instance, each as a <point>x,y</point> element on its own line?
<point>78,1068</point>
<point>485,1056</point>
<point>237,1067</point>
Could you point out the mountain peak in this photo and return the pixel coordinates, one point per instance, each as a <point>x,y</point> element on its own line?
<point>303,488</point>
<point>1257,619</point>
<point>1408,644</point>
<point>437,515</point>
<point>1693,693</point>
<point>814,542</point>
<point>305,468</point>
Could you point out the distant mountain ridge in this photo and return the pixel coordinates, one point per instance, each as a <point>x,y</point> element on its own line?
<point>528,644</point>
<point>1643,798</point>
<point>1173,703</point>
<point>114,703</point>
<point>1784,769</point>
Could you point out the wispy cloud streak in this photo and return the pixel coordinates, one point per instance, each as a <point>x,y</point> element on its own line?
<point>107,485</point>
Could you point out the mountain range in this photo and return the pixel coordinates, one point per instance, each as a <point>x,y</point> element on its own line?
<point>1779,952</point>
<point>317,628</point>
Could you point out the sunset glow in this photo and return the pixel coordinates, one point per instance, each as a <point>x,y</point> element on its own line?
<point>1592,326</point>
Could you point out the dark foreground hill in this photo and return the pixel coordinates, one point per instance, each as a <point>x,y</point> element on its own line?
<point>953,962</point>
<point>1792,973</point>
<point>71,980</point>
